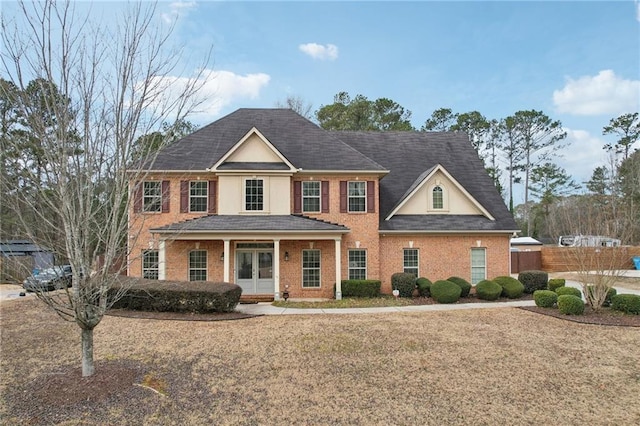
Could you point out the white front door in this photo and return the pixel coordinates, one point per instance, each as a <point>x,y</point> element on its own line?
<point>254,271</point>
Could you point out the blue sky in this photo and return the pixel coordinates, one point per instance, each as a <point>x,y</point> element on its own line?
<point>579,62</point>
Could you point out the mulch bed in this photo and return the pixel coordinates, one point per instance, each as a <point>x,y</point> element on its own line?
<point>179,316</point>
<point>604,316</point>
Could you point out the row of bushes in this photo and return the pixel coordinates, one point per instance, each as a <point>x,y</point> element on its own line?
<point>569,299</point>
<point>453,288</point>
<point>175,296</point>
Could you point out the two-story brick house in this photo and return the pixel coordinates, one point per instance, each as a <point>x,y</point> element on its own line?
<point>268,200</point>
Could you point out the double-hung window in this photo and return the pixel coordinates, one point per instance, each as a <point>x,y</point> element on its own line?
<point>411,261</point>
<point>254,195</point>
<point>310,268</point>
<point>198,196</point>
<point>198,265</point>
<point>357,264</point>
<point>152,196</point>
<point>478,265</point>
<point>150,260</point>
<point>311,197</point>
<point>357,194</point>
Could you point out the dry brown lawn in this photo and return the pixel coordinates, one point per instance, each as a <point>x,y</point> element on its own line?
<point>502,366</point>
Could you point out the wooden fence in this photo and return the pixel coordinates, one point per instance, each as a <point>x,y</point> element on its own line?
<point>561,259</point>
<point>525,261</point>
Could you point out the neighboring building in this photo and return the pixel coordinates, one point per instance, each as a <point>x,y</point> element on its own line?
<point>19,258</point>
<point>526,244</point>
<point>268,200</point>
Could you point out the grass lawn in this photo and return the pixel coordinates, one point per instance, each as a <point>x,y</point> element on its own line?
<point>486,366</point>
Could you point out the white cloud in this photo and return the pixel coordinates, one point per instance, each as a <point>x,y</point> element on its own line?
<point>318,51</point>
<point>604,93</point>
<point>583,154</point>
<point>178,9</point>
<point>216,89</point>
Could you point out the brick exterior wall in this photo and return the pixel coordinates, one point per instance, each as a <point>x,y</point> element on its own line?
<point>440,256</point>
<point>443,256</point>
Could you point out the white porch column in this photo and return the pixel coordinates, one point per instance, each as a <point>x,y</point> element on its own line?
<point>338,270</point>
<point>162,264</point>
<point>276,269</point>
<point>227,261</point>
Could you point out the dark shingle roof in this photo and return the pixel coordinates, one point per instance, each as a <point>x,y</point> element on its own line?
<point>302,143</point>
<point>440,223</point>
<point>253,223</point>
<point>410,155</point>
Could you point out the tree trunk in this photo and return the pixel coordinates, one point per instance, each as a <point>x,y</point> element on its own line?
<point>87,353</point>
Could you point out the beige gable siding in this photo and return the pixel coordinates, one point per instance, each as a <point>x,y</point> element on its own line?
<point>455,201</point>
<point>277,192</point>
<point>254,150</point>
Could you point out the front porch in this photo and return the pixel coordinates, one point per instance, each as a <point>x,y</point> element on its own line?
<point>264,262</point>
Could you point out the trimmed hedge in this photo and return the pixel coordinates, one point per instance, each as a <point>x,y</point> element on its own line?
<point>175,296</point>
<point>607,299</point>
<point>627,303</point>
<point>511,287</point>
<point>545,298</point>
<point>360,288</point>
<point>488,290</point>
<point>464,285</point>
<point>424,286</point>
<point>533,280</point>
<point>555,283</point>
<point>570,305</point>
<point>404,283</point>
<point>443,291</point>
<point>568,290</point>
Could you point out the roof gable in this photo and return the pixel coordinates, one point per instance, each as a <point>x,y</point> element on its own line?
<point>253,151</point>
<point>417,199</point>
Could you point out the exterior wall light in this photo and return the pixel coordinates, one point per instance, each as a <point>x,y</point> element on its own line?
<point>286,257</point>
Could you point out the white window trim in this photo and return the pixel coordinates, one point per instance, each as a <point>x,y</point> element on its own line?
<point>319,197</point>
<point>319,269</point>
<point>206,264</point>
<point>484,266</point>
<point>364,196</point>
<point>404,266</point>
<point>244,195</point>
<point>366,264</point>
<point>148,269</point>
<point>445,198</point>
<point>206,196</point>
<point>145,197</point>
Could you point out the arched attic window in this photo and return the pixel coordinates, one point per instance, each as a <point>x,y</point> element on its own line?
<point>437,197</point>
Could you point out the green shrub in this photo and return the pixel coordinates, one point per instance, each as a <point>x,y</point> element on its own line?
<point>570,305</point>
<point>444,291</point>
<point>533,280</point>
<point>174,296</point>
<point>464,285</point>
<point>404,283</point>
<point>488,290</point>
<point>555,283</point>
<point>545,298</point>
<point>511,287</point>
<point>424,286</point>
<point>568,290</point>
<point>627,303</point>
<point>607,299</point>
<point>360,288</point>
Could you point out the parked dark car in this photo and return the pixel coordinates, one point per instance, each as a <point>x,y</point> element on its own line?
<point>49,279</point>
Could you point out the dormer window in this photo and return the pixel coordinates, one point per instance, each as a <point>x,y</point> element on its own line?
<point>437,198</point>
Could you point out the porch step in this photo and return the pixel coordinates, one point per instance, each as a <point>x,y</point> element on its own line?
<point>255,298</point>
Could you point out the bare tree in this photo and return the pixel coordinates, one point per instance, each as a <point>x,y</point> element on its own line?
<point>598,262</point>
<point>298,104</point>
<point>110,76</point>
